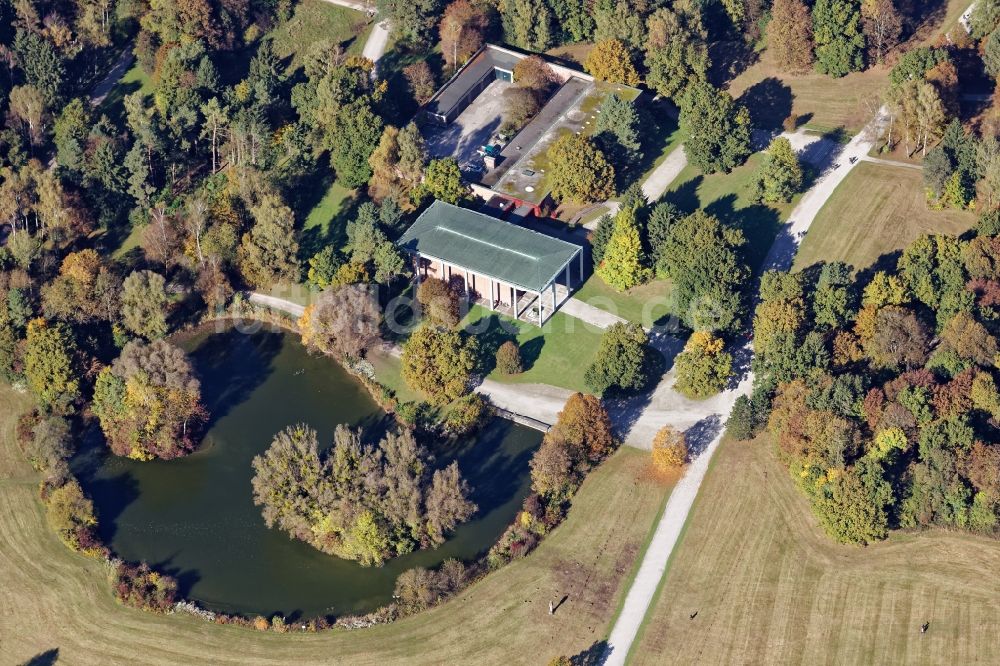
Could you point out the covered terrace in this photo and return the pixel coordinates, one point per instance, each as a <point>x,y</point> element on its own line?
<point>506,267</point>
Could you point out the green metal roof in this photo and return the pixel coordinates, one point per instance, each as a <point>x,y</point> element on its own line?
<point>488,246</point>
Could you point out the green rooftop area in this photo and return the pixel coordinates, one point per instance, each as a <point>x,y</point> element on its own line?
<point>572,110</point>
<point>488,246</point>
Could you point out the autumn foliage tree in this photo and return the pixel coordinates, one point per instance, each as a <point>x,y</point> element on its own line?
<point>623,264</point>
<point>579,171</point>
<point>670,449</point>
<point>580,438</point>
<point>462,31</point>
<point>439,302</point>
<point>610,60</point>
<point>149,402</point>
<point>343,321</point>
<point>358,501</point>
<point>703,368</point>
<point>789,35</point>
<point>439,363</point>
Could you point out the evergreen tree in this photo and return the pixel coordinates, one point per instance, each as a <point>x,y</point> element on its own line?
<point>623,265</point>
<point>840,42</point>
<point>617,131</point>
<point>779,176</point>
<point>717,128</point>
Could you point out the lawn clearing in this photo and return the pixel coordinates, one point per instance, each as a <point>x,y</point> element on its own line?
<point>872,215</point>
<point>63,601</point>
<point>822,103</point>
<point>726,196</point>
<point>648,304</point>
<point>770,587</point>
<point>557,354</point>
<point>314,21</point>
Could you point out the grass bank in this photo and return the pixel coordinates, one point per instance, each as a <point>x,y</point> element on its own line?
<point>872,215</point>
<point>60,603</point>
<point>770,587</point>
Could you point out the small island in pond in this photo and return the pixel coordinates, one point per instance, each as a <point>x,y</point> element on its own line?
<point>358,501</point>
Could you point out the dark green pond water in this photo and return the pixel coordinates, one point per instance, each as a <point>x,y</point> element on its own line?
<point>194,517</point>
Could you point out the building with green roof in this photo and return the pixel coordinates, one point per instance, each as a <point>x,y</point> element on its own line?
<point>510,268</point>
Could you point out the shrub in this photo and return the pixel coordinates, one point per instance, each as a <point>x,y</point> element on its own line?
<point>70,513</point>
<point>45,441</point>
<point>466,415</point>
<point>509,359</point>
<point>138,586</point>
<point>419,588</point>
<point>670,449</point>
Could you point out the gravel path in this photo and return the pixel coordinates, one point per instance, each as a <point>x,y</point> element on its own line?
<point>101,90</point>
<point>378,38</point>
<point>277,304</point>
<point>708,431</point>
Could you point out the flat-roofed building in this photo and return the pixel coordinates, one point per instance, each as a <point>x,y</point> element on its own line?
<point>466,120</point>
<point>509,268</point>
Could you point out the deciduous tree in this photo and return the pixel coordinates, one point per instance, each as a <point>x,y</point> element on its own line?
<point>149,402</point>
<point>789,35</point>
<point>670,450</point>
<point>676,49</point>
<point>144,304</point>
<point>579,171</point>
<point>344,321</point>
<point>439,363</point>
<point>610,60</point>
<point>703,368</point>
<point>717,129</point>
<point>623,360</point>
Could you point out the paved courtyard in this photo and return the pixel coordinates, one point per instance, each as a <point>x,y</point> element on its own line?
<point>472,129</point>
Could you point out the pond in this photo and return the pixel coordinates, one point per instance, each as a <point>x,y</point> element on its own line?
<point>194,517</point>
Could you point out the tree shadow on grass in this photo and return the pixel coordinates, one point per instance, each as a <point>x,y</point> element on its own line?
<point>729,59</point>
<point>886,262</point>
<point>47,658</point>
<point>491,332</point>
<point>769,102</point>
<point>595,655</point>
<point>685,197</point>
<point>759,223</point>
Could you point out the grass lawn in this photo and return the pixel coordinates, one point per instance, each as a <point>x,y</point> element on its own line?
<point>315,20</point>
<point>726,196</point>
<point>648,304</point>
<point>63,601</point>
<point>770,587</point>
<point>821,102</point>
<point>874,213</point>
<point>557,354</point>
<point>388,371</point>
<point>132,81</point>
<point>326,222</point>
